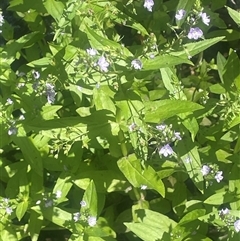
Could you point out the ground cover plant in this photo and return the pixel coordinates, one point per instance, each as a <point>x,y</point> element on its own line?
<point>120,120</point>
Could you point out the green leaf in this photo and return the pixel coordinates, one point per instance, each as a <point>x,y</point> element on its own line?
<point>30,153</point>
<point>91,199</point>
<point>35,225</point>
<point>40,62</point>
<point>221,198</point>
<point>104,44</point>
<point>192,49</point>
<point>54,8</point>
<point>152,225</point>
<point>131,168</point>
<point>21,209</point>
<point>235,15</point>
<point>192,216</point>
<point>158,111</point>
<point>164,61</point>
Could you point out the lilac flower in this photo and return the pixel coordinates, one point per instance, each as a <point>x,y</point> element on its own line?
<point>161,127</point>
<point>180,14</point>
<point>195,33</point>
<point>132,127</point>
<point>224,212</point>
<point>92,221</point>
<point>9,210</point>
<point>136,64</point>
<point>12,130</point>
<point>219,176</point>
<point>103,64</point>
<point>58,194</point>
<point>92,52</point>
<point>83,203</point>
<point>148,4</point>
<point>76,216</point>
<point>50,93</point>
<point>205,170</point>
<point>36,75</point>
<point>237,225</point>
<point>166,150</point>
<point>205,18</point>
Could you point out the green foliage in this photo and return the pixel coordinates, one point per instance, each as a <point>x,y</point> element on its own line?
<point>119,123</point>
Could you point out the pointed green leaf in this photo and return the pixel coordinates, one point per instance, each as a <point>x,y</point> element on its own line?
<point>131,168</point>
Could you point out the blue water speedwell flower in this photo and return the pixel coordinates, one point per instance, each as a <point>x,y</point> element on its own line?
<point>177,136</point>
<point>205,18</point>
<point>180,14</point>
<point>36,75</point>
<point>92,52</point>
<point>103,64</point>
<point>166,150</point>
<point>9,210</point>
<point>92,221</point>
<point>76,216</point>
<point>58,194</point>
<point>50,92</point>
<point>161,127</point>
<point>136,64</point>
<point>83,203</point>
<point>12,130</point>
<point>223,212</point>
<point>195,33</point>
<point>48,203</point>
<point>148,4</point>
<point>205,170</point>
<point>132,127</point>
<point>219,176</point>
<point>237,225</point>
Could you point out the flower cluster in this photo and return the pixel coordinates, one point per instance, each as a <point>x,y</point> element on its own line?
<point>50,92</point>
<point>84,216</point>
<point>194,32</point>
<point>208,171</point>
<point>148,4</point>
<point>5,204</point>
<point>163,136</point>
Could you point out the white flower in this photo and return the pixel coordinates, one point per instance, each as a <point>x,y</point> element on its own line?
<point>148,4</point>
<point>38,202</point>
<point>9,210</point>
<point>195,33</point>
<point>76,216</point>
<point>103,64</point>
<point>6,200</point>
<point>205,170</point>
<point>132,127</point>
<point>1,19</point>
<point>177,135</point>
<point>161,127</point>
<point>136,64</point>
<point>92,52</point>
<point>219,176</point>
<point>50,93</point>
<point>166,150</point>
<point>12,131</point>
<point>223,212</point>
<point>188,160</point>
<point>21,117</point>
<point>9,101</point>
<point>58,194</point>
<point>92,221</point>
<point>143,187</point>
<point>237,225</point>
<point>205,18</point>
<point>36,75</point>
<point>83,203</point>
<point>180,14</point>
